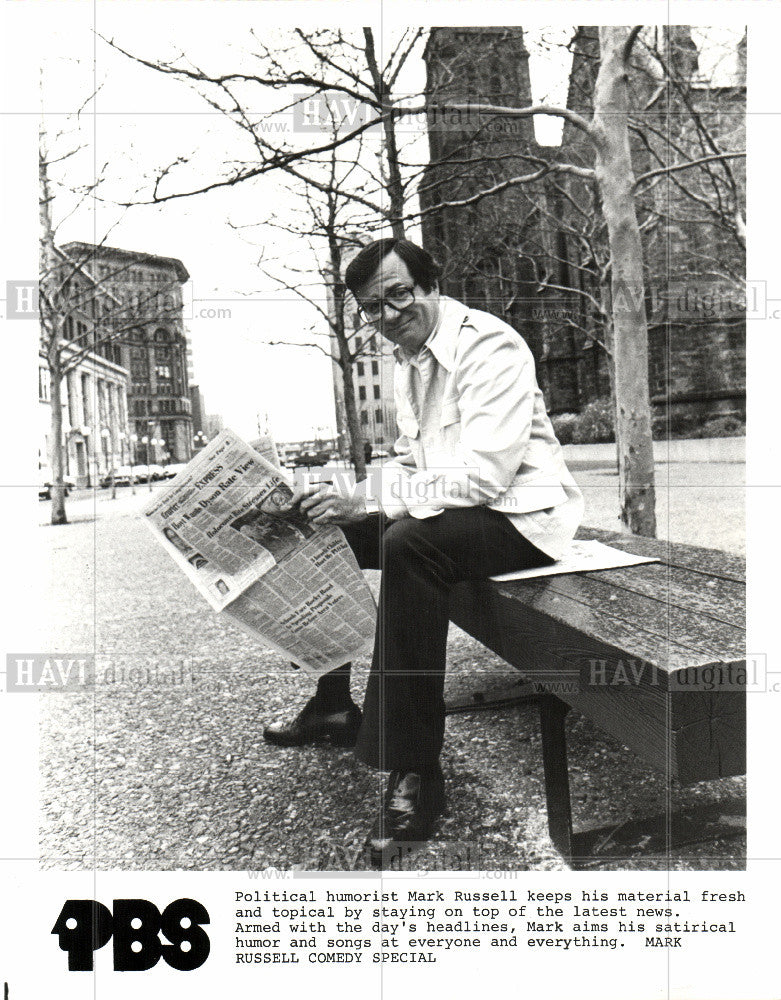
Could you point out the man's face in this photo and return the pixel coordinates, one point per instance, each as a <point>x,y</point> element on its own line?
<point>410,325</point>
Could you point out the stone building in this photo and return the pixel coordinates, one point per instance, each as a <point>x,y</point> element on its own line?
<point>531,253</point>
<point>694,257</point>
<point>372,374</point>
<point>212,425</point>
<point>95,429</point>
<point>148,340</point>
<point>198,414</point>
<point>95,434</point>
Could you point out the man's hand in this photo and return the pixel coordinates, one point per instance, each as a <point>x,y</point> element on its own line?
<point>322,505</point>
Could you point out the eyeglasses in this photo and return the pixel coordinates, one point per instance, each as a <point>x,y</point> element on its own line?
<point>397,298</point>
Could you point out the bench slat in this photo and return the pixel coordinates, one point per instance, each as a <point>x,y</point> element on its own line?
<point>722,600</point>
<point>639,629</point>
<point>707,562</point>
<point>622,661</point>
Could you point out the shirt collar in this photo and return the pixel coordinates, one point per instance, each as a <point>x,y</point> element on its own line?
<point>442,339</point>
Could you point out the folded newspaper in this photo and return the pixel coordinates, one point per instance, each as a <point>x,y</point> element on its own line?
<point>294,586</point>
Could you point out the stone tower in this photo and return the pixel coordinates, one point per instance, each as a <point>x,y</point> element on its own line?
<point>498,250</point>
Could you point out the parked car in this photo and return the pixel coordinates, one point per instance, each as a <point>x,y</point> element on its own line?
<point>140,474</point>
<point>45,488</point>
<point>121,477</point>
<point>174,468</point>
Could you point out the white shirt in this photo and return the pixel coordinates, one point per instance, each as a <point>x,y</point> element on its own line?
<point>474,430</point>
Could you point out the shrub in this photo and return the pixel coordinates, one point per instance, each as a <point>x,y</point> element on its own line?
<point>690,426</point>
<point>592,426</point>
<point>595,423</point>
<point>564,426</point>
<point>720,427</point>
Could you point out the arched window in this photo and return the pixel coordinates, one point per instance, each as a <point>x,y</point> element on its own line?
<point>162,336</point>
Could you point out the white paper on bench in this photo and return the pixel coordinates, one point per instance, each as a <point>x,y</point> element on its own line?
<point>581,557</point>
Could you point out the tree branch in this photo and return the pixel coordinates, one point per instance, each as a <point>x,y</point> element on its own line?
<point>674,167</point>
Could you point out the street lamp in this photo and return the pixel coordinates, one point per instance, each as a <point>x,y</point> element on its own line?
<point>105,433</point>
<point>145,441</point>
<point>155,442</point>
<point>122,436</point>
<point>133,443</point>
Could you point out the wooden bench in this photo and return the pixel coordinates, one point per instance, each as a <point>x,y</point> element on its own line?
<point>654,654</point>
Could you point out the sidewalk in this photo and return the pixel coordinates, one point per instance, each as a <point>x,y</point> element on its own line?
<point>683,491</point>
<point>729,450</point>
<point>163,766</point>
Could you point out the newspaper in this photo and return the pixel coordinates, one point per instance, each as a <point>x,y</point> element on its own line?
<point>581,557</point>
<point>294,586</point>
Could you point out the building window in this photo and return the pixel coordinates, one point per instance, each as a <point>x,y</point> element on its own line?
<point>139,368</point>
<point>102,402</point>
<point>375,368</point>
<point>112,353</point>
<point>378,416</point>
<point>364,417</point>
<point>359,366</point>
<point>362,392</point>
<point>163,373</point>
<point>44,384</point>
<point>358,344</point>
<point>376,392</point>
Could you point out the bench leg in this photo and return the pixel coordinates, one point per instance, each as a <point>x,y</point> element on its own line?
<point>553,712</point>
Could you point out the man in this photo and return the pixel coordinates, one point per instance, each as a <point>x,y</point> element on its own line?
<point>478,487</point>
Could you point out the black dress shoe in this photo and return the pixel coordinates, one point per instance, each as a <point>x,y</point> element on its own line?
<point>412,806</point>
<point>313,725</point>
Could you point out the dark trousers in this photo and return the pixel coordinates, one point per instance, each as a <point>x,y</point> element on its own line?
<point>421,560</point>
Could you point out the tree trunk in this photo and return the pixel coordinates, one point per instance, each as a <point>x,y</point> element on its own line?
<point>609,341</point>
<point>57,453</point>
<point>613,169</point>
<point>50,335</point>
<point>344,360</point>
<point>354,431</point>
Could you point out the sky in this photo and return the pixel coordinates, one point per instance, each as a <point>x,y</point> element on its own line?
<point>140,121</point>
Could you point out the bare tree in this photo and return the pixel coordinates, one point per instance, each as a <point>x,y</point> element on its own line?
<point>318,65</point>
<point>327,217</point>
<point>79,313</point>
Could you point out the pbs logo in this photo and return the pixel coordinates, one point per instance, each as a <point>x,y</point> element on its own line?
<point>135,926</point>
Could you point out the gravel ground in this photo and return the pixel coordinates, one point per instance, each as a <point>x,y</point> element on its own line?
<point>164,767</point>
